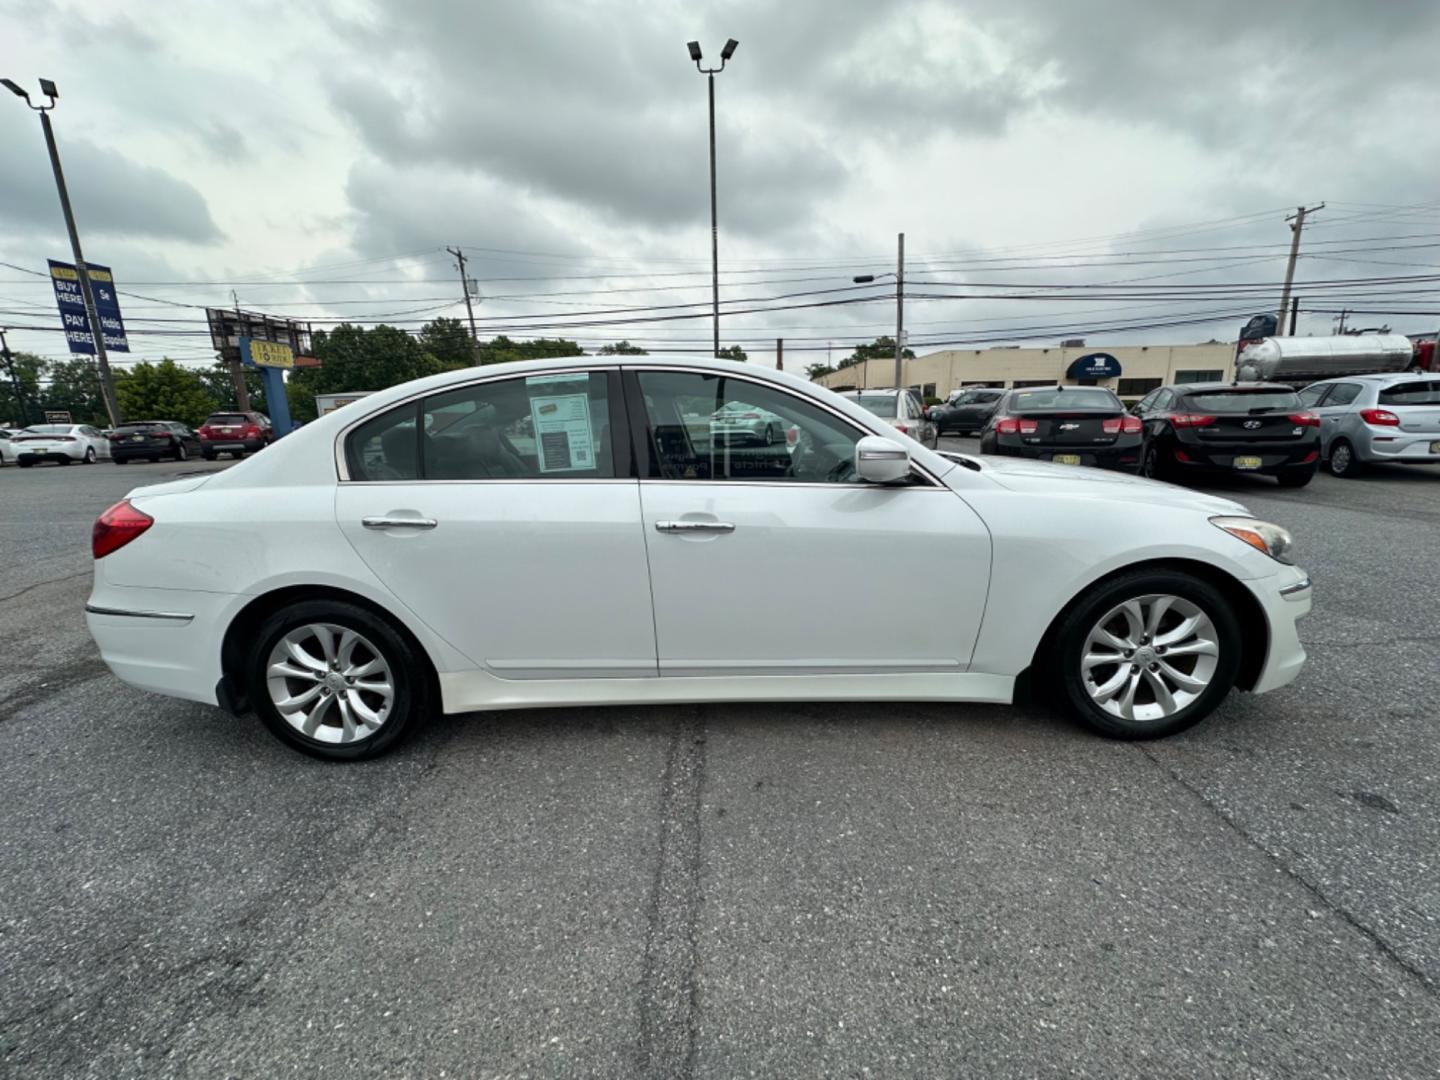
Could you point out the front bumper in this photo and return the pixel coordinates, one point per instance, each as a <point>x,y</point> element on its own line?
<point>1285,597</point>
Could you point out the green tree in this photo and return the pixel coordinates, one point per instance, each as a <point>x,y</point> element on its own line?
<point>354,358</point>
<point>815,371</point>
<point>880,349</point>
<point>502,350</point>
<point>74,386</point>
<point>733,352</point>
<point>449,342</point>
<point>623,348</point>
<point>300,397</point>
<point>163,391</point>
<point>29,371</point>
<point>218,384</point>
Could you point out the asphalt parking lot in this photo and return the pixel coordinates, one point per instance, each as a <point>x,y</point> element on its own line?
<point>769,891</point>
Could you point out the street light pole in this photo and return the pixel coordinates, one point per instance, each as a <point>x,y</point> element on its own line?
<point>710,73</point>
<point>900,311</point>
<point>97,331</point>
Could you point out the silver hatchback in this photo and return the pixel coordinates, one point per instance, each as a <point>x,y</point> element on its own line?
<point>1365,419</point>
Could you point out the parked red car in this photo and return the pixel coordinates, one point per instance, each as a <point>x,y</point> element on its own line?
<point>236,433</point>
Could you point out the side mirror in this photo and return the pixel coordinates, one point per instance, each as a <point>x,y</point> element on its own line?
<point>879,460</point>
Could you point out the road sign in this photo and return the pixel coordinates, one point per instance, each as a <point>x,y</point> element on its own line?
<point>57,416</point>
<point>266,353</point>
<point>71,299</point>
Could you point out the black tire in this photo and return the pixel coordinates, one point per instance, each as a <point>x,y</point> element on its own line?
<point>90,455</point>
<point>1152,465</point>
<point>180,452</point>
<point>409,669</point>
<point>66,460</point>
<point>769,435</point>
<point>120,460</point>
<point>1077,623</point>
<point>1343,462</point>
<point>1296,479</point>
<point>209,455</point>
<point>24,464</point>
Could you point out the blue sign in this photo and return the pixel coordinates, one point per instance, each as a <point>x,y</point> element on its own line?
<point>72,307</point>
<point>1095,365</point>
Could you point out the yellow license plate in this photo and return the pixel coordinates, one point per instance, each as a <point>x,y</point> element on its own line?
<point>1247,463</point>
<point>1066,459</point>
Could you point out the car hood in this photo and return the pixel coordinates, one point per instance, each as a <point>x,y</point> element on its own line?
<point>1039,477</point>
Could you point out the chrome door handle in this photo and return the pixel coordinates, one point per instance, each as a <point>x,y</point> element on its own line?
<point>694,526</point>
<point>398,523</point>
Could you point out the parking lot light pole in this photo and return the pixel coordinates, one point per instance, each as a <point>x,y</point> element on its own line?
<point>725,54</point>
<point>97,331</point>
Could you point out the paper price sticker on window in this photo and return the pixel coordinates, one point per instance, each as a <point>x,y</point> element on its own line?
<point>563,437</point>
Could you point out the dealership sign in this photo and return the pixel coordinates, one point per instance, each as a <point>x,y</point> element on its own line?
<point>1096,365</point>
<point>71,299</point>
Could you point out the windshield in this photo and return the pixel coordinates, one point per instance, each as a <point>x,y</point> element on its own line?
<point>1420,392</point>
<point>1089,399</point>
<point>1240,399</point>
<point>879,404</point>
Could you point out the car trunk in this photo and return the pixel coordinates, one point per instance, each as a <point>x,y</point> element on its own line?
<point>1071,428</point>
<point>140,437</point>
<point>1258,428</point>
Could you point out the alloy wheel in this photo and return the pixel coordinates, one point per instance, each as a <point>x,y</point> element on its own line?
<point>330,683</point>
<point>1149,657</point>
<point>89,455</point>
<point>1340,459</point>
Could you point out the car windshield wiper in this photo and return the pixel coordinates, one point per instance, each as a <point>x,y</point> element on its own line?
<point>1263,409</point>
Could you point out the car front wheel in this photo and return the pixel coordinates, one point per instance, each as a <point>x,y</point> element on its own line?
<point>1148,654</point>
<point>335,681</point>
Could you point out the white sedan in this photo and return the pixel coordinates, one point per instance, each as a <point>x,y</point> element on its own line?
<point>62,443</point>
<point>406,554</point>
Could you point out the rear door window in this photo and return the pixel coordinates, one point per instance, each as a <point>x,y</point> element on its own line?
<point>1311,395</point>
<point>1343,393</point>
<point>1420,392</point>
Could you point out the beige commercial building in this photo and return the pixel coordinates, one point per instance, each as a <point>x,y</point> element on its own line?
<point>1141,368</point>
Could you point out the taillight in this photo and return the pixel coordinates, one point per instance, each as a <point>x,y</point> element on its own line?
<point>1380,417</point>
<point>1189,419</point>
<point>902,429</point>
<point>116,527</point>
<point>253,432</point>
<point>64,438</point>
<point>1305,419</point>
<point>1011,425</point>
<point>1130,425</point>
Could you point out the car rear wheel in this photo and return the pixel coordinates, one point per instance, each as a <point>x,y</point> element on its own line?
<point>769,435</point>
<point>1343,461</point>
<point>1148,654</point>
<point>1150,464</point>
<point>180,452</point>
<point>335,681</point>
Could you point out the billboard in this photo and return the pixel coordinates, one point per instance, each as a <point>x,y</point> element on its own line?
<point>266,353</point>
<point>68,295</point>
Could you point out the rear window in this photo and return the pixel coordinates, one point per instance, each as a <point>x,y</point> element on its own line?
<point>1241,400</point>
<point>879,404</point>
<point>48,429</point>
<point>227,418</point>
<point>1420,392</point>
<point>1086,399</point>
<point>140,425</point>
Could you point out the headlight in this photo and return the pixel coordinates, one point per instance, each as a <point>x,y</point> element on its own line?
<point>1261,535</point>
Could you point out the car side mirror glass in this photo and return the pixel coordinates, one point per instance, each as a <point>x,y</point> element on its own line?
<point>879,460</point>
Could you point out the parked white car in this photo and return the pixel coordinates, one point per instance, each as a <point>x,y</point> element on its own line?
<point>403,555</point>
<point>7,449</point>
<point>64,444</point>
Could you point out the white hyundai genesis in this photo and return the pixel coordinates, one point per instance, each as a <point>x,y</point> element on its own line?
<point>569,532</point>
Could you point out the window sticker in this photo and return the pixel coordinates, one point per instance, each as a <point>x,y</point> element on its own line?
<point>563,438</point>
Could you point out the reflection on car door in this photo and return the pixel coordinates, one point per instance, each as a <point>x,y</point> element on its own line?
<point>534,565</point>
<point>779,561</point>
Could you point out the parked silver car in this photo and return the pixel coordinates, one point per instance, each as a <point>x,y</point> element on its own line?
<point>1365,419</point>
<point>901,409</point>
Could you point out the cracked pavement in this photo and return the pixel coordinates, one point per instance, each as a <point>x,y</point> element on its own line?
<point>794,891</point>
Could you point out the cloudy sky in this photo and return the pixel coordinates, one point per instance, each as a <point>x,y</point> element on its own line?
<point>1117,171</point>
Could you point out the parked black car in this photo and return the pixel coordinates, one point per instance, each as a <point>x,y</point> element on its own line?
<point>1069,425</point>
<point>152,440</point>
<point>1229,427</point>
<point>967,411</point>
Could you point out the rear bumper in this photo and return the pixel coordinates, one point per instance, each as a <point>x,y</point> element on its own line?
<point>1406,449</point>
<point>37,456</point>
<point>1285,598</point>
<point>1222,456</point>
<point>1123,454</point>
<point>227,446</point>
<point>126,453</point>
<point>162,640</point>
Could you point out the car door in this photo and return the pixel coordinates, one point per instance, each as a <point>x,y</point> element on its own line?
<point>501,515</point>
<point>778,560</point>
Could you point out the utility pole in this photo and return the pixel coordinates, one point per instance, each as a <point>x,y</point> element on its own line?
<point>900,312</point>
<point>107,383</point>
<point>465,288</point>
<point>237,369</point>
<point>779,354</point>
<point>1340,326</point>
<point>1298,218</point>
<point>725,54</point>
<point>14,380</point>
<point>1294,314</point>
